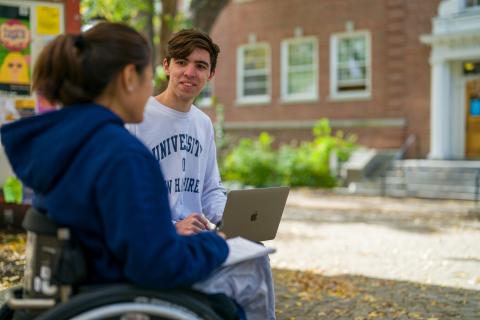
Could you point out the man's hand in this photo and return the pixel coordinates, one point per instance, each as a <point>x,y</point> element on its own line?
<point>194,223</point>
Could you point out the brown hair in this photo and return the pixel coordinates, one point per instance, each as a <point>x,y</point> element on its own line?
<point>182,44</point>
<point>78,68</point>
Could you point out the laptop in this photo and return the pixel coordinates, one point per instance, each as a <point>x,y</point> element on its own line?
<point>254,214</point>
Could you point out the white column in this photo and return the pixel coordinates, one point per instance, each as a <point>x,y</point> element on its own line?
<point>440,125</point>
<point>458,111</point>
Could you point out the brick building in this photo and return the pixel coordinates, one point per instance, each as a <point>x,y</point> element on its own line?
<point>366,65</point>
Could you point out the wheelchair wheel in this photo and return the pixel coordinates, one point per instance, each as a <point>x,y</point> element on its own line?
<point>125,302</point>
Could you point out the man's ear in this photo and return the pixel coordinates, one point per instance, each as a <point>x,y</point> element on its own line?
<point>166,66</point>
<point>127,77</point>
<point>212,73</point>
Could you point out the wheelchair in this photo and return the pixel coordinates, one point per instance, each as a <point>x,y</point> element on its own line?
<point>55,267</point>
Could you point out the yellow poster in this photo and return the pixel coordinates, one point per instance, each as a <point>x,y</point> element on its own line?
<point>48,20</point>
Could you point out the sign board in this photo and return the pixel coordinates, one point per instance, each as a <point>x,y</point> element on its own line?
<point>25,28</point>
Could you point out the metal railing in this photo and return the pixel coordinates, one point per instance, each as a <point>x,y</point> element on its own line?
<point>411,139</point>
<point>477,187</point>
<point>400,155</point>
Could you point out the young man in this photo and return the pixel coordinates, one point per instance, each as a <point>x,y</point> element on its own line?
<point>181,137</point>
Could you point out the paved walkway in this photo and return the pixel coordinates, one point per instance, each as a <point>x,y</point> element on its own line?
<point>377,258</point>
<point>426,241</point>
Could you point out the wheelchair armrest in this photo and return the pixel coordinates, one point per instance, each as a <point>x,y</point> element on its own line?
<point>13,299</point>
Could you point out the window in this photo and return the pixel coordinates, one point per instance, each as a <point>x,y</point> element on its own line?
<point>350,70</point>
<point>205,98</point>
<point>253,70</point>
<point>472,3</point>
<point>299,69</point>
<point>471,68</point>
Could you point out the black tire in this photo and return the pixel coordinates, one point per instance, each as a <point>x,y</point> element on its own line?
<point>116,301</point>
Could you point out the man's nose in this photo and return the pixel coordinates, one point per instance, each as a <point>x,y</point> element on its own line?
<point>190,70</point>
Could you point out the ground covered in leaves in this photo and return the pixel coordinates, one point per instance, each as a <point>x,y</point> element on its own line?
<point>12,258</point>
<point>308,295</point>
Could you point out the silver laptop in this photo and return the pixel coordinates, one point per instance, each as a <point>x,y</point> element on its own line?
<point>254,213</point>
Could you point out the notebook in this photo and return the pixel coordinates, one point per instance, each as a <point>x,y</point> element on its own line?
<point>254,214</point>
<point>241,249</point>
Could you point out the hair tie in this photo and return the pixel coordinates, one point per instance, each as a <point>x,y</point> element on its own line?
<point>79,41</point>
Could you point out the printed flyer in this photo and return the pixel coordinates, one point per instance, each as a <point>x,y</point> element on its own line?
<point>15,39</point>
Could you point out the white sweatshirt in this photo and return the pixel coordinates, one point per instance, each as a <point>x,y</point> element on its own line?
<point>184,145</point>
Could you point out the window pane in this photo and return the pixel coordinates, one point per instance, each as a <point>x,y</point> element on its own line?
<point>352,63</point>
<point>255,79</point>
<point>255,58</point>
<point>351,48</point>
<point>255,73</point>
<point>301,82</point>
<point>300,53</point>
<point>343,50</point>
<point>255,85</point>
<point>254,91</point>
<point>301,68</point>
<point>352,71</point>
<point>205,96</point>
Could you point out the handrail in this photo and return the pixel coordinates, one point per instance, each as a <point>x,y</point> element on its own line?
<point>411,139</point>
<point>477,186</point>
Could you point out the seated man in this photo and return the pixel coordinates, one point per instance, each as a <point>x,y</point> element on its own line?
<point>181,138</point>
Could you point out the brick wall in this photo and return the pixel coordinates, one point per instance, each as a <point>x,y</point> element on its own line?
<point>400,68</point>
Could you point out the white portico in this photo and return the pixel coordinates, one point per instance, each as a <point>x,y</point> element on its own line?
<point>455,80</point>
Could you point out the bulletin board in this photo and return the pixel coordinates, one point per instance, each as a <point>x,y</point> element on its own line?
<point>25,28</point>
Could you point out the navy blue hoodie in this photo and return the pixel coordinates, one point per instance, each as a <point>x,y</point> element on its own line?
<point>92,176</point>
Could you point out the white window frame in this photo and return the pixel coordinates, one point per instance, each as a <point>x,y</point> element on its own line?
<point>257,99</point>
<point>335,94</point>
<point>206,102</point>
<point>286,97</point>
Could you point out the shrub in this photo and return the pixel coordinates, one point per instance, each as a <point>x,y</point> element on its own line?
<point>251,162</point>
<point>254,162</point>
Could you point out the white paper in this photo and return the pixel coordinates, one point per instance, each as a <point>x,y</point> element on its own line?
<point>242,249</point>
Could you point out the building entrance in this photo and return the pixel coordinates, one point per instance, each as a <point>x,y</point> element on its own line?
<point>472,143</point>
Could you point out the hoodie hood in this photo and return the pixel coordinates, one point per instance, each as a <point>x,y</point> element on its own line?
<point>40,148</point>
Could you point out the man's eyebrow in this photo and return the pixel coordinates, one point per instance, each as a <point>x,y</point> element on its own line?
<point>203,62</point>
<point>195,61</point>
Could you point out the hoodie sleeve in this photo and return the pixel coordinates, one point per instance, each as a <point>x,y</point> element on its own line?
<point>139,232</point>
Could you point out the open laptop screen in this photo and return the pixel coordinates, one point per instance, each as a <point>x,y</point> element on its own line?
<point>254,214</point>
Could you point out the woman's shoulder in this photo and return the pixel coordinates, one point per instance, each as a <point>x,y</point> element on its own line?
<point>116,139</point>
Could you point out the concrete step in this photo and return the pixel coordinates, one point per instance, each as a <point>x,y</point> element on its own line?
<point>424,179</point>
<point>471,167</point>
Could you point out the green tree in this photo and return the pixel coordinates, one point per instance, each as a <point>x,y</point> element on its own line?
<point>205,13</point>
<point>156,19</point>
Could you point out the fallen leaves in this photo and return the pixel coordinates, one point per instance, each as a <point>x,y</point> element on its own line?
<point>310,296</point>
<point>12,259</point>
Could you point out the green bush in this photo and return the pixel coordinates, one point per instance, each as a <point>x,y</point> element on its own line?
<point>251,162</point>
<point>254,162</point>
